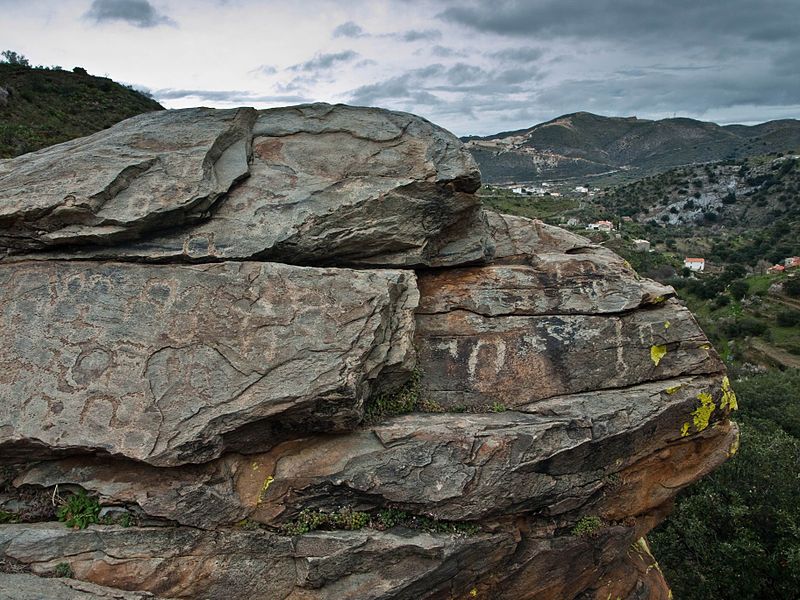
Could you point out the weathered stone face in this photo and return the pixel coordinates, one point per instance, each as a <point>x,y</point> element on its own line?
<point>327,185</point>
<point>23,586</point>
<point>170,364</point>
<point>151,171</point>
<point>472,361</point>
<point>197,350</point>
<point>190,563</point>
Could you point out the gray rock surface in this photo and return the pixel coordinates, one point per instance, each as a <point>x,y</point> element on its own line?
<point>172,364</point>
<point>327,185</point>
<point>24,586</point>
<point>450,467</point>
<point>152,171</point>
<point>190,563</point>
<point>469,360</point>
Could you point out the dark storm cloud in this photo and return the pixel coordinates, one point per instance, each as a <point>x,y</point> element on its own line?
<point>622,20</point>
<point>443,52</point>
<point>408,87</point>
<point>235,96</point>
<point>522,54</point>
<point>427,35</point>
<point>349,29</point>
<point>322,62</point>
<point>472,86</point>
<point>659,91</point>
<point>139,13</point>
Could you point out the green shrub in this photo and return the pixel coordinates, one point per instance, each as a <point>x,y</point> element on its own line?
<point>587,526</point>
<point>79,511</point>
<point>788,318</point>
<point>64,570</point>
<point>310,520</point>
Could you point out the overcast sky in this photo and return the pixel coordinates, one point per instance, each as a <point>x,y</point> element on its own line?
<point>473,66</point>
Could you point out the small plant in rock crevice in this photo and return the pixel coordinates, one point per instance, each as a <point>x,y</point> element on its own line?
<point>64,570</point>
<point>587,526</point>
<point>346,518</point>
<point>405,400</point>
<point>79,511</point>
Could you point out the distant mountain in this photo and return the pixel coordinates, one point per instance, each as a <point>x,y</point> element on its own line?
<point>582,144</point>
<point>40,107</point>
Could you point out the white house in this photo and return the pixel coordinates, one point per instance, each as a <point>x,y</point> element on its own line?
<point>601,226</point>
<point>582,189</point>
<point>695,264</point>
<point>641,245</point>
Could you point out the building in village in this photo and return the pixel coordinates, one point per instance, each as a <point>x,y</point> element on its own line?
<point>601,226</point>
<point>695,264</point>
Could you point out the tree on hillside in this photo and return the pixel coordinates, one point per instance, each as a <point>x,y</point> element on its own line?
<point>792,287</point>
<point>12,58</point>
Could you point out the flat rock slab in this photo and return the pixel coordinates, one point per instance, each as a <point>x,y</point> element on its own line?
<point>471,361</point>
<point>550,284</point>
<point>151,171</point>
<point>452,467</point>
<point>189,563</point>
<point>172,364</point>
<point>332,185</point>
<point>24,586</point>
<point>518,238</point>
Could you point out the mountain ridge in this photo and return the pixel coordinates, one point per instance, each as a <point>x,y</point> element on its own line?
<point>585,144</point>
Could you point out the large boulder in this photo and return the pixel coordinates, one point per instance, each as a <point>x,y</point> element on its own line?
<point>327,185</point>
<point>249,375</point>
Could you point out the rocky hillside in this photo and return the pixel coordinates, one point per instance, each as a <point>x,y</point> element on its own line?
<point>40,107</point>
<point>583,144</point>
<point>743,211</point>
<point>194,301</point>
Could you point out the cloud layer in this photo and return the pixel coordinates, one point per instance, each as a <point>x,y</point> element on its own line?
<point>474,66</point>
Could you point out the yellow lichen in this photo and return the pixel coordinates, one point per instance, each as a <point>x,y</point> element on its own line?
<point>473,592</point>
<point>705,346</point>
<point>658,300</point>
<point>673,389</point>
<point>666,324</point>
<point>267,482</point>
<point>702,415</point>
<point>685,430</point>
<point>657,353</point>
<point>734,448</point>
<point>728,396</point>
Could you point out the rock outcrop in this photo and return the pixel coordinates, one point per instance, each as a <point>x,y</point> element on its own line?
<point>214,349</point>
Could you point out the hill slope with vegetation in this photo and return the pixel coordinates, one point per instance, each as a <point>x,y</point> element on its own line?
<point>584,144</point>
<point>44,106</point>
<point>745,211</point>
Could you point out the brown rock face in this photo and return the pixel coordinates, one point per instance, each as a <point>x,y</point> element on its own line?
<point>196,343</point>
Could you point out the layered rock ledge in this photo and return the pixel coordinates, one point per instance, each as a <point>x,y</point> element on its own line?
<point>286,354</point>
